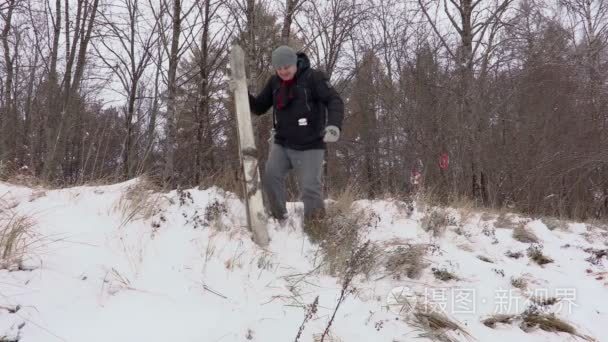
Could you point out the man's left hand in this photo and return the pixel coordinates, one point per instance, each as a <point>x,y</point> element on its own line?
<point>332,134</point>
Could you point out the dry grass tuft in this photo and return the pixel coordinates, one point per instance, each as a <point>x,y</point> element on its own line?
<point>519,283</point>
<point>356,263</point>
<point>16,237</point>
<point>521,234</point>
<point>553,223</point>
<point>596,255</point>
<point>443,274</point>
<point>432,324</point>
<point>327,338</point>
<point>466,209</point>
<point>214,213</point>
<point>27,180</point>
<point>535,253</point>
<point>485,259</point>
<point>463,202</point>
<point>437,326</point>
<point>466,247</point>
<point>532,319</point>
<point>514,255</point>
<point>229,179</point>
<point>500,318</point>
<point>23,176</point>
<point>310,312</point>
<point>546,322</point>
<point>339,234</point>
<point>405,207</point>
<point>437,221</point>
<point>504,221</point>
<point>140,201</point>
<point>544,301</point>
<point>486,216</point>
<point>408,260</point>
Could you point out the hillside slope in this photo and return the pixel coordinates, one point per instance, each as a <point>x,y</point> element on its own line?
<point>125,263</point>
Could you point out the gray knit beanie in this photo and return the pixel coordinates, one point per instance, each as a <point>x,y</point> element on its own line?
<point>284,56</point>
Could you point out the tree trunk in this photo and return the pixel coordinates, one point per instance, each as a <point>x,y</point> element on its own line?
<point>204,140</point>
<point>466,84</point>
<point>134,73</point>
<point>79,110</point>
<point>7,151</point>
<point>153,113</point>
<point>128,147</point>
<point>290,8</point>
<point>56,136</point>
<point>171,144</point>
<point>27,125</point>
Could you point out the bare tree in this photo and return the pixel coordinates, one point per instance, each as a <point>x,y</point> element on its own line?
<point>473,25</point>
<point>129,44</point>
<point>50,92</point>
<point>171,144</point>
<point>258,33</point>
<point>7,110</point>
<point>154,110</point>
<point>174,47</point>
<point>327,27</point>
<point>291,10</point>
<point>592,17</point>
<point>515,93</point>
<point>389,33</point>
<point>212,49</point>
<point>367,110</point>
<point>76,55</point>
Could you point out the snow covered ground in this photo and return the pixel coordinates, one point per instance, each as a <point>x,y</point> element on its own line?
<point>96,269</point>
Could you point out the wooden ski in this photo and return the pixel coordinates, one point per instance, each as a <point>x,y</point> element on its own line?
<point>256,217</point>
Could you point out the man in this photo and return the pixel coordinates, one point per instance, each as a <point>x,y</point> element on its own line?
<point>307,113</point>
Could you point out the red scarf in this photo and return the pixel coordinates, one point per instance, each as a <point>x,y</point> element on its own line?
<point>285,94</point>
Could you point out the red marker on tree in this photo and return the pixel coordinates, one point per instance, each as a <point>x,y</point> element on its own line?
<point>444,161</point>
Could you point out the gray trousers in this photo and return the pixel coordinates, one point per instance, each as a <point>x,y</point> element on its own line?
<point>308,166</point>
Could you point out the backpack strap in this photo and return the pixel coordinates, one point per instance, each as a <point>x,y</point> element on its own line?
<point>275,88</point>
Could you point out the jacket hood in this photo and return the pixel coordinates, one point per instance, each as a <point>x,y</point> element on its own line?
<point>303,62</point>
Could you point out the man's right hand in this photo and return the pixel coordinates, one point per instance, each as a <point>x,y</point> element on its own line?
<point>232,85</point>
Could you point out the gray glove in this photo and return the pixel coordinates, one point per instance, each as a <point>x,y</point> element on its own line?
<point>332,134</point>
<point>232,85</point>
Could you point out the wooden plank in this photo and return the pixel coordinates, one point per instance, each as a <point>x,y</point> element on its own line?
<point>256,217</point>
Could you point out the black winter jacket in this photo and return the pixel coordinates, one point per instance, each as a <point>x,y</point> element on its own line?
<point>315,104</point>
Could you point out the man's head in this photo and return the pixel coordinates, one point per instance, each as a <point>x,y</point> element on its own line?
<point>284,61</point>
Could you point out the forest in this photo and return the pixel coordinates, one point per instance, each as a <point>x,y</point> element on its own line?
<point>501,102</point>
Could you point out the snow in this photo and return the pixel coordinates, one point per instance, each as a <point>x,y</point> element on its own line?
<point>91,274</point>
